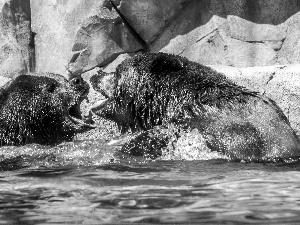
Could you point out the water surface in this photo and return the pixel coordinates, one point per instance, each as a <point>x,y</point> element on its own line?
<point>86,183</point>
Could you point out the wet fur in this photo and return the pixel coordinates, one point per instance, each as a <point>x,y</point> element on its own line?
<point>33,109</point>
<point>158,89</point>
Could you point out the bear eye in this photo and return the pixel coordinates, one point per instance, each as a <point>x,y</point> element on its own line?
<point>51,88</point>
<point>76,81</point>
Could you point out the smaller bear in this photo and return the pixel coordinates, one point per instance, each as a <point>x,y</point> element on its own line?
<point>159,89</point>
<point>41,108</point>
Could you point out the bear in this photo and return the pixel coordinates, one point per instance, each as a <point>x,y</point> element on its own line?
<point>151,91</point>
<point>42,108</point>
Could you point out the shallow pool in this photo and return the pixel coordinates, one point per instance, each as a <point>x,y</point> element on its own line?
<point>86,183</point>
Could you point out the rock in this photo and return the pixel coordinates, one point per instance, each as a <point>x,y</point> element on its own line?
<point>55,25</point>
<point>270,12</point>
<point>113,65</point>
<point>205,44</point>
<point>182,42</point>
<point>251,32</point>
<point>284,88</point>
<point>259,11</point>
<point>4,80</point>
<point>99,41</point>
<point>289,52</point>
<point>209,50</point>
<point>234,42</point>
<point>77,35</point>
<point>245,54</point>
<point>149,18</point>
<point>16,53</point>
<point>235,32</point>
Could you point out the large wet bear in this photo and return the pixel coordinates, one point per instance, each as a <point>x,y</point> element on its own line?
<point>41,108</point>
<point>158,89</point>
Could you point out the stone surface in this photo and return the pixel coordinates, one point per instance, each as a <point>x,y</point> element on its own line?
<point>251,32</point>
<point>80,35</point>
<point>232,41</point>
<point>113,65</point>
<point>77,35</point>
<point>289,52</point>
<point>182,42</point>
<point>99,41</point>
<point>241,43</point>
<point>150,17</point>
<point>16,54</point>
<point>55,24</point>
<point>243,54</point>
<point>211,49</point>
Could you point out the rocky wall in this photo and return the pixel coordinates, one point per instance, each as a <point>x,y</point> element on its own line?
<point>16,48</point>
<point>80,35</point>
<point>77,35</point>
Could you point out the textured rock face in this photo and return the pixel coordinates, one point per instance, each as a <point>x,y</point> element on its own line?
<point>238,42</point>
<point>81,35</point>
<point>16,53</point>
<point>99,41</point>
<point>78,35</point>
<point>55,24</point>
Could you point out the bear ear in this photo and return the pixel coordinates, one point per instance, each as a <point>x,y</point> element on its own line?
<point>50,87</point>
<point>166,63</point>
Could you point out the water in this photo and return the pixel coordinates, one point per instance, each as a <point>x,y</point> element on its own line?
<point>86,183</point>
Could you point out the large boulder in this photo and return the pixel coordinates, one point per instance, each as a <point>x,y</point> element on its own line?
<point>77,35</point>
<point>16,47</point>
<point>55,24</point>
<point>290,50</point>
<point>205,43</point>
<point>236,42</point>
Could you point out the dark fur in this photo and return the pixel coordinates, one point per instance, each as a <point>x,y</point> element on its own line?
<point>159,89</point>
<point>34,109</point>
